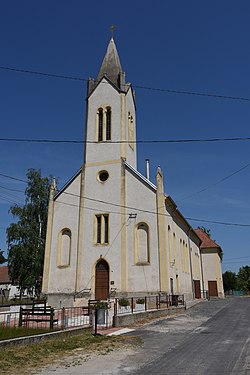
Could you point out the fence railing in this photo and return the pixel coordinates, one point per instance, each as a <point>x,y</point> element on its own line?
<point>70,317</point>
<point>43,316</point>
<point>131,305</point>
<point>9,319</point>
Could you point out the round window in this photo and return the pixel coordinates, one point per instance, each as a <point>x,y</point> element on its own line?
<point>103,176</point>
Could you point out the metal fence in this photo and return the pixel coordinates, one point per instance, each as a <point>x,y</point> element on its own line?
<point>9,319</point>
<point>45,317</point>
<point>70,317</point>
<point>133,305</point>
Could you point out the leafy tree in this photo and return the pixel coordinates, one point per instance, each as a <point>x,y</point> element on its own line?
<point>26,237</point>
<point>244,278</point>
<point>2,257</point>
<point>229,280</point>
<point>206,230</point>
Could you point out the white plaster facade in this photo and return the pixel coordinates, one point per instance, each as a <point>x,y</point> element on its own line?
<point>147,244</point>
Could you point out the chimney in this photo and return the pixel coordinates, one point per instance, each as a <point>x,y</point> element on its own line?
<point>147,168</point>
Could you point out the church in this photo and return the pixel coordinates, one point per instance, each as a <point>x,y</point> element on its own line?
<point>111,232</point>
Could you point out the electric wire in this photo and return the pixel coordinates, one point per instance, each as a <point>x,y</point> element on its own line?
<point>138,141</point>
<point>142,87</point>
<point>135,208</point>
<point>13,178</point>
<point>216,183</point>
<point>10,189</point>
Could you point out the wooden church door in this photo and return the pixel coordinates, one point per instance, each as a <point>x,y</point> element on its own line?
<point>101,280</point>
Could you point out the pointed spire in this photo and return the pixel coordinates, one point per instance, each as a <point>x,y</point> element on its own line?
<point>111,66</point>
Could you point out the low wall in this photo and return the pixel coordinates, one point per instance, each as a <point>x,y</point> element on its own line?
<point>35,339</point>
<point>124,320</point>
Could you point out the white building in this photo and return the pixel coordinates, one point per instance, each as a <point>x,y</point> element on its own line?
<point>110,230</point>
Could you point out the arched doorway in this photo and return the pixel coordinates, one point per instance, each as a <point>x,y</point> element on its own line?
<point>101,280</point>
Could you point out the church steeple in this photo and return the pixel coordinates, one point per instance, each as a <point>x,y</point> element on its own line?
<point>110,113</point>
<point>111,66</point>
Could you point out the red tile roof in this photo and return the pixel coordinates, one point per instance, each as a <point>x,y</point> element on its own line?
<point>206,241</point>
<point>4,275</point>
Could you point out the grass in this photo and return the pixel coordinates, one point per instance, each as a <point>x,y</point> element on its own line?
<point>21,359</point>
<point>13,332</point>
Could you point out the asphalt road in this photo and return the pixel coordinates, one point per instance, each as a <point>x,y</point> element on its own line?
<point>218,344</point>
<point>211,338</point>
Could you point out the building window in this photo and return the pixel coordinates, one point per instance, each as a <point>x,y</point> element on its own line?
<point>103,124</point>
<point>131,131</point>
<point>108,124</point>
<point>102,229</point>
<point>103,176</point>
<point>99,228</point>
<point>64,248</point>
<point>106,228</point>
<point>170,247</point>
<point>142,255</point>
<point>100,125</point>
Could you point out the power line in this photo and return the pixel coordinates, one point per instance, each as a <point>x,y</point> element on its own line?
<point>229,259</point>
<point>135,208</point>
<point>152,212</point>
<point>216,183</point>
<point>19,191</point>
<point>218,222</point>
<point>200,140</point>
<point>13,178</point>
<point>170,91</point>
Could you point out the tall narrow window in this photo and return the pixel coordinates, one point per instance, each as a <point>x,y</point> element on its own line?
<point>108,124</point>
<point>100,125</point>
<point>101,229</point>
<point>131,131</point>
<point>142,244</point>
<point>170,247</point>
<point>64,248</point>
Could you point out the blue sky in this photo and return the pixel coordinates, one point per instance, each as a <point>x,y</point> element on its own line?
<point>183,45</point>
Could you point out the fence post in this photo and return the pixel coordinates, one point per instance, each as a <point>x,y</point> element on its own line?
<point>145,303</point>
<point>20,317</point>
<point>51,322</point>
<point>132,305</point>
<point>157,303</point>
<point>63,318</point>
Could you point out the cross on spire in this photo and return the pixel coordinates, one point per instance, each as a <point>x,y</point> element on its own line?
<point>112,30</point>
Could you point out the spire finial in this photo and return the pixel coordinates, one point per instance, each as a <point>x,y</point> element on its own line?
<point>112,30</point>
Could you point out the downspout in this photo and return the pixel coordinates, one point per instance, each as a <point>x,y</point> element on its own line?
<point>202,276</point>
<point>190,261</point>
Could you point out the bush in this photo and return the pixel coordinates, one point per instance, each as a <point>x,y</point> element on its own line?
<point>140,301</point>
<point>123,302</point>
<point>102,305</point>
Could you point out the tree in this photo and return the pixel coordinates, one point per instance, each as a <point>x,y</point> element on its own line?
<point>229,280</point>
<point>2,257</point>
<point>244,278</point>
<point>26,237</point>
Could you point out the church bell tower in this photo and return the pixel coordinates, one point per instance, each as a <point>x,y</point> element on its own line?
<point>110,125</point>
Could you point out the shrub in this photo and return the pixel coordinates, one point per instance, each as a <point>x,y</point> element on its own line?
<point>102,305</point>
<point>140,301</point>
<point>123,302</point>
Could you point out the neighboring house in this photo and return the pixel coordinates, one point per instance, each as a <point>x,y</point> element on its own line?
<point>211,258</point>
<point>111,231</point>
<point>4,283</point>
<point>7,289</point>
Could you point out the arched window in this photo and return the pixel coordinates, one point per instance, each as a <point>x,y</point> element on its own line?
<point>108,124</point>
<point>142,244</point>
<point>170,247</point>
<point>100,124</point>
<point>64,247</point>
